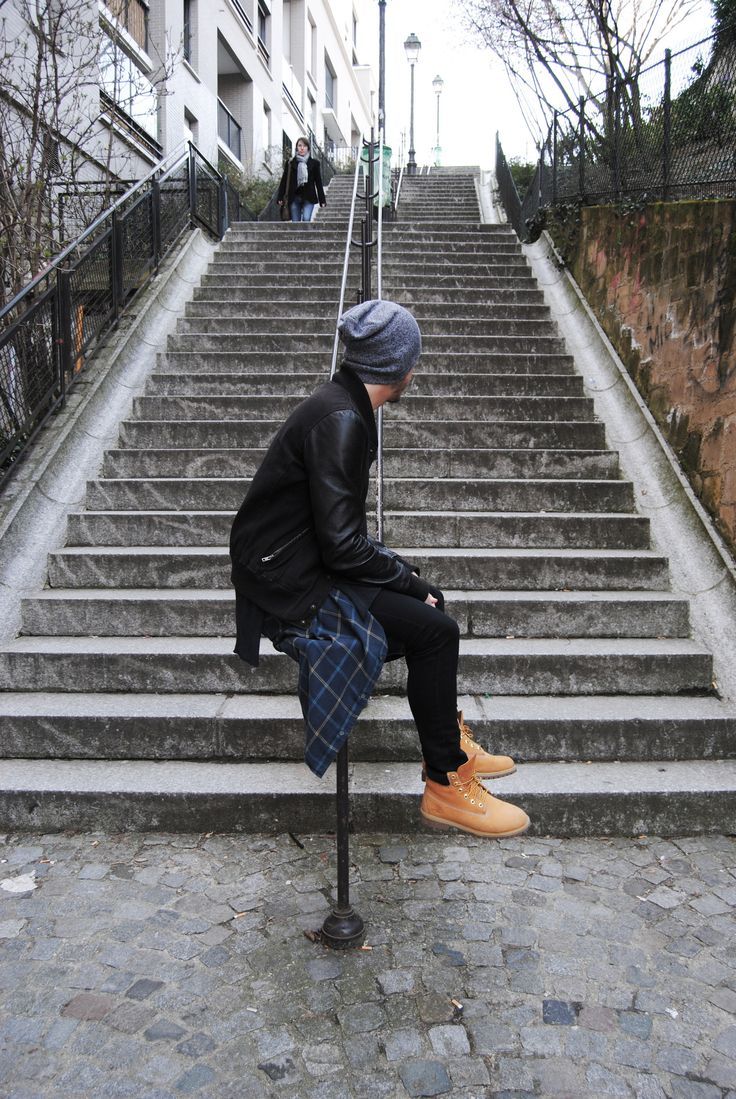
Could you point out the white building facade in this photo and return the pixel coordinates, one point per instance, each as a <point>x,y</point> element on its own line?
<point>243,79</point>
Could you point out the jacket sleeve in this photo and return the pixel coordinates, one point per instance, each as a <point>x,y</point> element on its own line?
<point>318,184</point>
<point>334,454</point>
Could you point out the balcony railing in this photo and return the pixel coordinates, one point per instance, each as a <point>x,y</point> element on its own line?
<point>229,131</point>
<point>242,13</point>
<point>132,15</point>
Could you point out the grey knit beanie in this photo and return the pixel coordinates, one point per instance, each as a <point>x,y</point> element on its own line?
<point>382,341</point>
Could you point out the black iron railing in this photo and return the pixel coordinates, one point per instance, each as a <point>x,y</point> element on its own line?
<point>48,330</point>
<point>669,134</point>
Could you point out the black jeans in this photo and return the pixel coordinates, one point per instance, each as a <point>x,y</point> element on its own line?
<point>430,641</point>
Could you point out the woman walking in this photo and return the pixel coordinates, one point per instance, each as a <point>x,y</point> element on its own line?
<point>301,184</point>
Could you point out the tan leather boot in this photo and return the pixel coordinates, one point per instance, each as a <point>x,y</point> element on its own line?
<point>467,805</point>
<point>484,764</point>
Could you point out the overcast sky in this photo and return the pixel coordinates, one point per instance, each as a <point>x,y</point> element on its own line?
<point>475,100</point>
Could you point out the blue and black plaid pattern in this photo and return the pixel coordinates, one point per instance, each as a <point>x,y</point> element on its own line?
<point>340,658</point>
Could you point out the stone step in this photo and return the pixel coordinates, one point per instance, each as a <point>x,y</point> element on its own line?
<point>253,297</point>
<point>525,666</point>
<point>429,268</point>
<point>688,797</point>
<point>570,435</point>
<point>467,567</point>
<point>417,249</point>
<point>426,313</point>
<point>444,412</point>
<point>286,363</point>
<point>416,493</point>
<point>519,327</point>
<point>149,613</point>
<point>239,462</point>
<point>445,529</point>
<point>279,282</point>
<point>322,341</point>
<point>269,727</point>
<point>219,383</point>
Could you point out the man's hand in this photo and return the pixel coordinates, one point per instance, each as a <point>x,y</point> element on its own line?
<point>431,600</point>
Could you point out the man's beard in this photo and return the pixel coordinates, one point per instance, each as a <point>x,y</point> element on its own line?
<point>399,390</point>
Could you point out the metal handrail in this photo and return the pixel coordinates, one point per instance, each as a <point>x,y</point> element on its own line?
<point>49,328</point>
<point>58,259</point>
<point>379,294</point>
<point>345,265</point>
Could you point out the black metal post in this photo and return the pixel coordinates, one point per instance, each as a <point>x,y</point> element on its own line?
<point>581,150</point>
<point>116,265</point>
<point>156,222</point>
<point>554,159</point>
<point>617,143</point>
<point>64,328</point>
<point>192,188</point>
<point>667,125</point>
<point>411,167</point>
<point>343,927</point>
<point>382,65</point>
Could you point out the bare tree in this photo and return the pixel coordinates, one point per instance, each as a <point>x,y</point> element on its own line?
<point>557,51</point>
<point>65,80</point>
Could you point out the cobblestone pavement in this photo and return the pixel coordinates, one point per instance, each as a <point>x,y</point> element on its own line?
<point>158,966</point>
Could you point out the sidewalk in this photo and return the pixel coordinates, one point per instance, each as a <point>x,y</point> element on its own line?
<point>157,966</point>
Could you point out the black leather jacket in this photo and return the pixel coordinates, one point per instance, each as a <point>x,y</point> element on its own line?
<point>302,526</point>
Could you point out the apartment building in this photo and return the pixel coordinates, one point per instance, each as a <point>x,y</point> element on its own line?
<point>255,74</point>
<point>241,78</point>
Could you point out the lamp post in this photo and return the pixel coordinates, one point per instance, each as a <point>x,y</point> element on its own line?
<point>382,65</point>
<point>438,84</point>
<point>412,47</point>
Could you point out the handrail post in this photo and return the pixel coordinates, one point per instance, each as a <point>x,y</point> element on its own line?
<point>156,222</point>
<point>116,265</point>
<point>666,125</point>
<point>192,188</point>
<point>343,927</point>
<point>554,159</point>
<point>64,328</point>
<point>581,149</point>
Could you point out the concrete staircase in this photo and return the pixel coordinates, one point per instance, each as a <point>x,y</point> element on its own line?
<point>123,706</point>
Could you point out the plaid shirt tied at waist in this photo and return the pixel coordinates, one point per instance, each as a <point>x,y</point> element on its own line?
<point>340,656</point>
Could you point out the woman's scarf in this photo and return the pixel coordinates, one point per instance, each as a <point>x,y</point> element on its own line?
<point>301,169</point>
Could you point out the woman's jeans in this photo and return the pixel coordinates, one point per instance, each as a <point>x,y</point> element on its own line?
<point>301,210</point>
<point>430,641</point>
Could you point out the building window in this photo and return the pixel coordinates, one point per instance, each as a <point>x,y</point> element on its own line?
<point>189,30</point>
<point>132,16</point>
<point>191,127</point>
<point>330,85</point>
<point>312,49</point>
<point>229,130</point>
<point>264,29</point>
<point>130,90</point>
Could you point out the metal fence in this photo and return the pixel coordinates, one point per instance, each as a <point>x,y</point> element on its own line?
<point>49,329</point>
<point>669,134</point>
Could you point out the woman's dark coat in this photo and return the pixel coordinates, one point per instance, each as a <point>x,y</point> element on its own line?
<point>311,191</point>
<point>302,526</point>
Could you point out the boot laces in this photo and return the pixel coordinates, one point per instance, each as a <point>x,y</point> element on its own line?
<point>472,790</point>
<point>465,735</point>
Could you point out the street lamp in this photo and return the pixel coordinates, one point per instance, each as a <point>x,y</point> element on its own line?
<point>412,47</point>
<point>438,84</point>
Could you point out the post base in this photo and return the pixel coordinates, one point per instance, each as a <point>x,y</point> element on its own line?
<point>342,929</point>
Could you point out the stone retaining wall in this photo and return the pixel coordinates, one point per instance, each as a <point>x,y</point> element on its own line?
<point>661,280</point>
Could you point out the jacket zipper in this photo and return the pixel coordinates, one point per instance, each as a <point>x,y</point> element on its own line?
<point>276,552</point>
